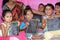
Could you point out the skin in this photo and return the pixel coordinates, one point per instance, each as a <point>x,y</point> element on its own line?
<point>11,3</point>
<point>7,19</point>
<point>57,9</point>
<point>41,9</point>
<point>49,12</point>
<point>29,16</point>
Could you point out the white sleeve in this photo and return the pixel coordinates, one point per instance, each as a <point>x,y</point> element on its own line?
<point>44,17</point>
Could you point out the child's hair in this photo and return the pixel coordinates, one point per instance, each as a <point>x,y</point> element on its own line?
<point>28,8</point>
<point>50,6</point>
<point>41,4</point>
<point>4,13</point>
<point>58,3</point>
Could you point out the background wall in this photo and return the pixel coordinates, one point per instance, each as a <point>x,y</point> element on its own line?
<point>33,3</point>
<point>0,10</point>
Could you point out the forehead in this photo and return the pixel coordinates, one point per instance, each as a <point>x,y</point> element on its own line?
<point>48,7</point>
<point>57,6</point>
<point>41,6</point>
<point>8,13</point>
<point>29,11</point>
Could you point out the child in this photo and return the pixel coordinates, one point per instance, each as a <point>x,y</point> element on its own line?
<point>57,8</point>
<point>8,28</point>
<point>33,23</point>
<point>49,22</point>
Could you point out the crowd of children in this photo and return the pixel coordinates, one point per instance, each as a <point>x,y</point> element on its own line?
<point>17,17</point>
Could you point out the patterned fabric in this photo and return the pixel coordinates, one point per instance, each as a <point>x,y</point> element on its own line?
<point>16,11</point>
<point>33,26</point>
<point>13,30</point>
<point>53,24</point>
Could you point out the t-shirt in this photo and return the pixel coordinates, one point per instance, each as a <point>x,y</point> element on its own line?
<point>52,24</point>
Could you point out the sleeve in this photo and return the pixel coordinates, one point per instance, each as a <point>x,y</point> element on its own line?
<point>44,17</point>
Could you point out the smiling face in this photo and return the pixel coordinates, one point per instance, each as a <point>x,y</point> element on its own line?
<point>29,15</point>
<point>48,10</point>
<point>8,17</point>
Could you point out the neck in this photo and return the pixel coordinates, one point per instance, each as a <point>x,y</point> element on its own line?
<point>58,13</point>
<point>49,16</point>
<point>7,22</point>
<point>11,3</point>
<point>41,12</point>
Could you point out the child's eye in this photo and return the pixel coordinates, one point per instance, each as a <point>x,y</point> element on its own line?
<point>7,16</point>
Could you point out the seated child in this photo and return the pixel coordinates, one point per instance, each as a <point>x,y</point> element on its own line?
<point>8,28</point>
<point>31,30</point>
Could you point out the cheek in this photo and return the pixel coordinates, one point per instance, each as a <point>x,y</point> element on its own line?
<point>48,12</point>
<point>11,18</point>
<point>6,19</point>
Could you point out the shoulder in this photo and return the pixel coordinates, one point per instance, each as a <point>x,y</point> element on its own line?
<point>1,26</point>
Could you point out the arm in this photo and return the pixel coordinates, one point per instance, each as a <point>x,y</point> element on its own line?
<point>43,23</point>
<point>57,15</point>
<point>37,12</point>
<point>6,29</point>
<point>3,30</point>
<point>26,25</point>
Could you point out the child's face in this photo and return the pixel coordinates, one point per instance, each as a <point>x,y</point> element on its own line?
<point>48,10</point>
<point>41,8</point>
<point>57,8</point>
<point>29,15</point>
<point>8,17</point>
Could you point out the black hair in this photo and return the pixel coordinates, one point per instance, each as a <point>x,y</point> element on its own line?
<point>58,3</point>
<point>41,4</point>
<point>4,2</point>
<point>4,13</point>
<point>27,9</point>
<point>50,6</point>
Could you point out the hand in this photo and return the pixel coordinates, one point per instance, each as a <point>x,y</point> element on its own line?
<point>18,23</point>
<point>27,23</point>
<point>37,19</point>
<point>8,25</point>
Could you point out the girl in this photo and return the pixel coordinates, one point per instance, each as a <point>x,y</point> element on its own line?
<point>50,22</point>
<point>15,7</point>
<point>8,27</point>
<point>7,18</point>
<point>57,9</point>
